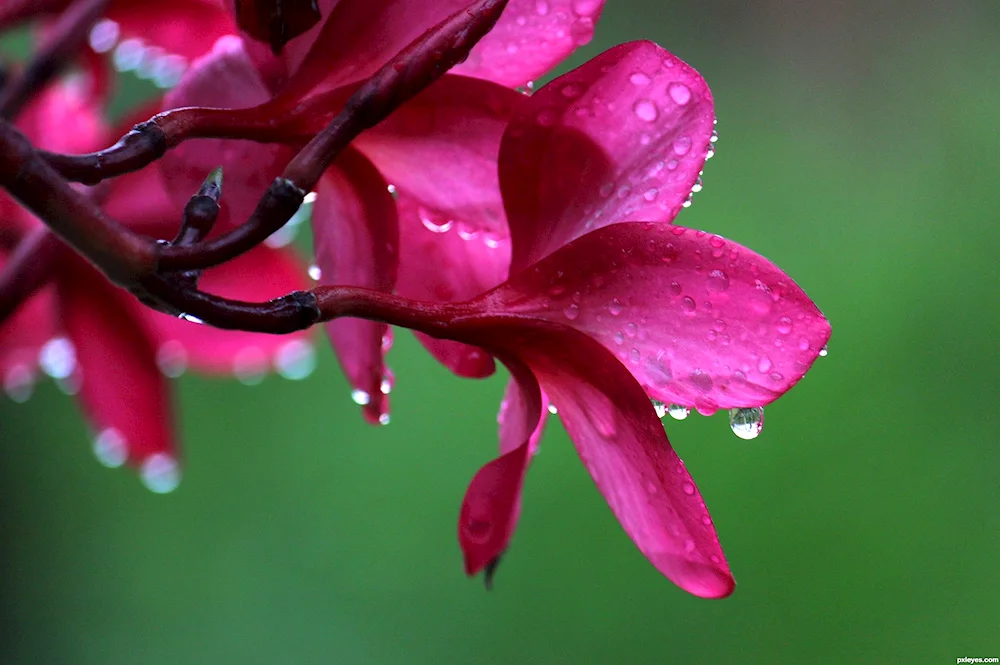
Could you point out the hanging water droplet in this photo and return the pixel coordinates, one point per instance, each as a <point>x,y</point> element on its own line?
<point>747,423</point>
<point>678,412</point>
<point>361,397</point>
<point>615,307</point>
<point>57,357</point>
<point>715,136</point>
<point>250,366</point>
<point>19,383</point>
<point>552,409</point>
<point>680,93</point>
<point>384,419</point>
<point>385,386</point>
<point>315,273</point>
<point>823,351</point>
<point>110,448</point>
<point>688,488</point>
<point>160,473</point>
<point>172,359</point>
<point>659,407</point>
<point>392,190</point>
<point>432,222</point>
<point>295,360</point>
<point>697,186</point>
<point>190,318</point>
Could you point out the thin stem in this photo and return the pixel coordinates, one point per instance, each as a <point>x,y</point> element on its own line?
<point>68,36</point>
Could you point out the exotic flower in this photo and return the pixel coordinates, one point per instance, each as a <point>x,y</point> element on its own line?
<point>103,345</point>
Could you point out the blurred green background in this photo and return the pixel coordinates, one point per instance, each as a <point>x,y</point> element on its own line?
<point>859,151</point>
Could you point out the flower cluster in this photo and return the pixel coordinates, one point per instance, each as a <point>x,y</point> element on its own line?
<point>533,228</point>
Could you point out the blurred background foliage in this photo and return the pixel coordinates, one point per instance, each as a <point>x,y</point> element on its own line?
<point>859,150</point>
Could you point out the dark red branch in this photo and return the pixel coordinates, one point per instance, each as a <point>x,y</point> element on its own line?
<point>67,37</point>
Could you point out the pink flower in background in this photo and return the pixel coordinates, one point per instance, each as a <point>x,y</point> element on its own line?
<point>602,314</point>
<point>99,342</point>
<point>436,154</point>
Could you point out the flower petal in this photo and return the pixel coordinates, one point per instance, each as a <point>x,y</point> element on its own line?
<point>224,78</point>
<point>356,239</point>
<point>260,274</point>
<point>185,28</point>
<point>492,503</point>
<point>442,263</point>
<point>623,137</point>
<point>699,320</point>
<point>22,336</point>
<point>531,38</point>
<point>623,445</point>
<point>122,393</point>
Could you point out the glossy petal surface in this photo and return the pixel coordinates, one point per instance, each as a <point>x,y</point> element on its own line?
<point>620,138</point>
<point>356,235</point>
<point>186,28</point>
<point>698,320</point>
<point>531,38</point>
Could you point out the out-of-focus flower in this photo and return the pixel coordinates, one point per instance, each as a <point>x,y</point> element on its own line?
<point>384,211</point>
<point>101,344</point>
<point>603,313</point>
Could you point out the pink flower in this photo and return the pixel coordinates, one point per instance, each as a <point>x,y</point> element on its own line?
<point>98,341</point>
<point>602,313</point>
<point>438,153</point>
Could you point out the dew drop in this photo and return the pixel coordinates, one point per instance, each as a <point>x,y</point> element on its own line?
<point>541,7</point>
<point>747,423</point>
<point>701,380</point>
<point>615,307</point>
<point>682,145</point>
<point>160,473</point>
<point>634,356</point>
<point>172,359</point>
<point>697,186</point>
<point>804,344</point>
<point>678,412</point>
<point>571,312</point>
<point>660,407</point>
<point>631,330</point>
<point>585,8</point>
<point>645,110</point>
<point>785,326</point>
<point>315,273</point>
<point>110,448</point>
<point>361,397</point>
<point>19,383</point>
<point>619,338</point>
<point>384,419</point>
<point>250,366</point>
<point>104,35</point>
<point>680,93</point>
<point>718,281</point>
<point>433,223</point>
<point>764,364</point>
<point>638,78</point>
<point>295,360</point>
<point>823,351</point>
<point>688,488</point>
<point>553,410</point>
<point>190,318</point>
<point>650,194</point>
<point>688,304</point>
<point>57,357</point>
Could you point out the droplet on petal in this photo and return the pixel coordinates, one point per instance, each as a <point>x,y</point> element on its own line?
<point>57,357</point>
<point>295,360</point>
<point>553,410</point>
<point>680,93</point>
<point>660,407</point>
<point>747,423</point>
<point>823,351</point>
<point>19,383</point>
<point>361,397</point>
<point>172,359</point>
<point>110,448</point>
<point>160,473</point>
<point>315,273</point>
<point>645,110</point>
<point>384,419</point>
<point>678,412</point>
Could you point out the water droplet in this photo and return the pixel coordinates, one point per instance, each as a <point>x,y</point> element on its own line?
<point>384,419</point>
<point>680,93</point>
<point>764,364</point>
<point>688,304</point>
<point>615,307</point>
<point>650,194</point>
<point>295,360</point>
<point>434,223</point>
<point>645,110</point>
<point>110,448</point>
<point>57,357</point>
<point>634,356</point>
<point>392,190</point>
<point>104,35</point>
<point>804,344</point>
<point>701,380</point>
<point>250,366</point>
<point>541,7</point>
<point>638,78</point>
<point>688,488</point>
<point>361,397</point>
<point>315,274</point>
<point>715,136</point>
<point>631,329</point>
<point>172,359</point>
<point>682,145</point>
<point>160,473</point>
<point>823,351</point>
<point>552,409</point>
<point>19,383</point>
<point>585,8</point>
<point>678,412</point>
<point>571,312</point>
<point>718,281</point>
<point>747,423</point>
<point>660,407</point>
<point>785,325</point>
<point>190,318</point>
<point>388,380</point>
<point>697,186</point>
<point>478,530</point>
<point>619,338</point>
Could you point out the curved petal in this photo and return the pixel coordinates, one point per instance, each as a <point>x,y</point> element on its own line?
<point>622,443</point>
<point>261,274</point>
<point>442,147</point>
<point>224,78</point>
<point>698,320</point>
<point>622,137</point>
<point>122,394</point>
<point>140,201</point>
<point>492,503</point>
<point>185,28</point>
<point>70,106</point>
<point>356,239</point>
<point>22,336</point>
<point>444,262</point>
<point>531,38</point>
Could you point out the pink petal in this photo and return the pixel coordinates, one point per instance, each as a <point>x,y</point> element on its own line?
<point>441,148</point>
<point>71,107</point>
<point>140,201</point>
<point>443,262</point>
<point>356,236</point>
<point>623,137</point>
<point>492,503</point>
<point>698,320</point>
<point>123,395</point>
<point>224,78</point>
<point>531,38</point>
<point>622,443</point>
<point>21,338</point>
<point>185,28</point>
<point>261,274</point>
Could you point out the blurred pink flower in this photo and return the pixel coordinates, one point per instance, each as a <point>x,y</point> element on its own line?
<point>98,341</point>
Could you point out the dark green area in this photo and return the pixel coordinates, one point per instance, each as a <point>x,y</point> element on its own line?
<point>859,151</point>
